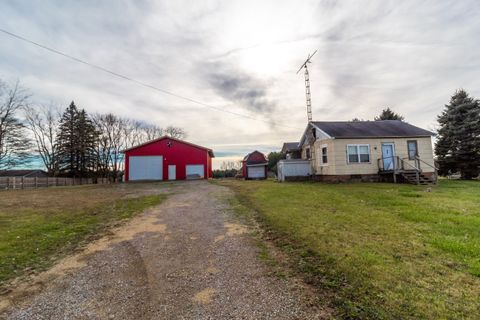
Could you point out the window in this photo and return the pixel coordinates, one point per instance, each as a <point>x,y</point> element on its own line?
<point>412,149</point>
<point>307,153</point>
<point>324,155</point>
<point>358,153</point>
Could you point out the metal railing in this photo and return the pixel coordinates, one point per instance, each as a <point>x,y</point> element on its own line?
<point>400,165</point>
<point>434,167</point>
<point>397,164</point>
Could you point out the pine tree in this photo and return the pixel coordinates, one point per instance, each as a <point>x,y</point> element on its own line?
<point>77,139</point>
<point>87,141</point>
<point>458,143</point>
<point>68,141</point>
<point>388,114</point>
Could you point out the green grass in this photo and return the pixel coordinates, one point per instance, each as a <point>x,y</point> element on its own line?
<point>380,251</point>
<point>37,227</point>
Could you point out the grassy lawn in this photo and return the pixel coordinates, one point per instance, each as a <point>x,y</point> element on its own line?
<point>378,250</point>
<point>37,227</point>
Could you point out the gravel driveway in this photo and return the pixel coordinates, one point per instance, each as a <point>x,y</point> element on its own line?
<point>187,258</point>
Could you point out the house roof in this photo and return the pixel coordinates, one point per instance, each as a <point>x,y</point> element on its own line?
<point>370,129</point>
<point>22,173</point>
<point>290,146</point>
<point>210,151</point>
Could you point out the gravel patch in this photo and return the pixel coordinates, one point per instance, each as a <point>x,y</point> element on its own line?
<point>185,259</point>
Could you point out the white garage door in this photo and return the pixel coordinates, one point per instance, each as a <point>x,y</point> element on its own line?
<point>256,172</point>
<point>195,171</point>
<point>145,168</point>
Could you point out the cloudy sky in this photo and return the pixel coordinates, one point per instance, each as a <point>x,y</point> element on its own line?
<point>242,57</point>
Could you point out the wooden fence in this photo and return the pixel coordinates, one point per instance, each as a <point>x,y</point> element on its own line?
<point>17,183</point>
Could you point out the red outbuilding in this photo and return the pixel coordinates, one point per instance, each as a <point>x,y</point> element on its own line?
<point>255,165</point>
<point>168,158</point>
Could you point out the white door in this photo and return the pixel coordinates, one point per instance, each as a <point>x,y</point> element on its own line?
<point>145,168</point>
<point>195,171</point>
<point>172,172</point>
<point>388,155</point>
<point>256,172</point>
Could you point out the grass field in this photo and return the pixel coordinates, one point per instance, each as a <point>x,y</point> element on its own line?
<point>378,251</point>
<point>37,227</point>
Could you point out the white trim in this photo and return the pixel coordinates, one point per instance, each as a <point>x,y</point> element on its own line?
<point>300,144</point>
<point>393,150</point>
<point>257,165</point>
<point>358,145</point>
<point>389,143</point>
<point>174,166</point>
<point>328,136</point>
<point>321,156</point>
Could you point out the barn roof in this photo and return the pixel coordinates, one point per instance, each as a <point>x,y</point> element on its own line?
<point>290,146</point>
<point>255,157</point>
<point>210,151</point>
<point>370,129</point>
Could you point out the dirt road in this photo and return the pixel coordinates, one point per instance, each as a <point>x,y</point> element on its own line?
<point>185,259</point>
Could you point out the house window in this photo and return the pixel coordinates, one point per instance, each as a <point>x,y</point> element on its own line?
<point>307,153</point>
<point>412,147</point>
<point>324,155</point>
<point>358,153</point>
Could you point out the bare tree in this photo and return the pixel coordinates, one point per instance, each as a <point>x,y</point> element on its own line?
<point>175,132</point>
<point>114,135</point>
<point>43,123</point>
<point>14,143</point>
<point>151,131</point>
<point>138,132</point>
<point>230,165</point>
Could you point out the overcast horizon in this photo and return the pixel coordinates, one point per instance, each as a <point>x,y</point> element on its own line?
<point>242,57</point>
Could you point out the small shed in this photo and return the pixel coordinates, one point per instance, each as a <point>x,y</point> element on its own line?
<point>294,170</point>
<point>255,165</point>
<point>167,158</point>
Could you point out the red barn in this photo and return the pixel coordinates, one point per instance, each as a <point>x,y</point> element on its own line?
<point>255,165</point>
<point>168,158</point>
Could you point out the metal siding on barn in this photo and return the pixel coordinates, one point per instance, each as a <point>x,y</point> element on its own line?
<point>145,168</point>
<point>175,153</point>
<point>195,171</point>
<point>256,172</point>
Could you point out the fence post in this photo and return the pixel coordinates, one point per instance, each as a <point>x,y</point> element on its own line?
<point>56,181</point>
<point>47,181</point>
<point>36,183</point>
<point>14,183</point>
<point>22,181</point>
<point>8,183</point>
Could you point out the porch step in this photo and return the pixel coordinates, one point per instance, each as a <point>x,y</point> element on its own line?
<point>411,177</point>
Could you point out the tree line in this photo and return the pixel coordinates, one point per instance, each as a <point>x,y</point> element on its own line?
<point>71,143</point>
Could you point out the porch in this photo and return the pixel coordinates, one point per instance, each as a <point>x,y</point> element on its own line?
<point>401,170</point>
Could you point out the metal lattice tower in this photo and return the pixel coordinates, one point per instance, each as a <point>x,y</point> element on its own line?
<point>307,86</point>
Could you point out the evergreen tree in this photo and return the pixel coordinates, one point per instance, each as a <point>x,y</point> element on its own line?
<point>458,144</point>
<point>67,140</point>
<point>76,140</point>
<point>388,114</point>
<point>87,141</point>
<point>273,158</point>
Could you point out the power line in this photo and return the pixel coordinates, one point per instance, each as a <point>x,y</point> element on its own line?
<point>144,84</point>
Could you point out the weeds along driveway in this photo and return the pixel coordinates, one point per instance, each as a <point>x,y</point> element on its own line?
<point>187,258</point>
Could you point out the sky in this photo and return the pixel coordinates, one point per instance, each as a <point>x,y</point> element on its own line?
<point>242,57</point>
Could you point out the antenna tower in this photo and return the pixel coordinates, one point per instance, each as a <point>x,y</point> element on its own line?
<point>307,85</point>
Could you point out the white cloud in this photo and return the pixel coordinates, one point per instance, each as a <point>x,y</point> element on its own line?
<point>408,55</point>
